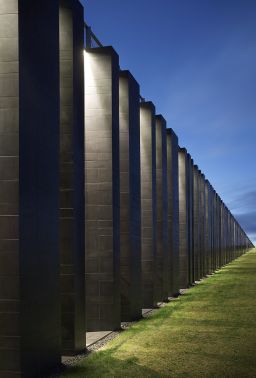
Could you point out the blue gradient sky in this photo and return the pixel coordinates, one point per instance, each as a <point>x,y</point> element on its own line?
<point>196,60</point>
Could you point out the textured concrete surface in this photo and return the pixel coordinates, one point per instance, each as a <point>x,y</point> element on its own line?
<point>183,219</point>
<point>196,228</point>
<point>173,210</point>
<point>191,277</point>
<point>102,189</point>
<point>72,257</point>
<point>202,223</point>
<point>29,166</point>
<point>148,203</point>
<point>163,256</point>
<point>130,202</point>
<point>9,190</point>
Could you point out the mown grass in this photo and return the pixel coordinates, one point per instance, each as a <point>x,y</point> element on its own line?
<point>208,332</point>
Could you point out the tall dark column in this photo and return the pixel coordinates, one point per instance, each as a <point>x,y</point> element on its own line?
<point>207,228</point>
<point>163,258</point>
<point>130,207</point>
<point>173,211</point>
<point>148,203</point>
<point>196,226</point>
<point>102,212</point>
<point>202,223</point>
<point>191,274</point>
<point>72,258</point>
<point>183,219</point>
<point>29,188</point>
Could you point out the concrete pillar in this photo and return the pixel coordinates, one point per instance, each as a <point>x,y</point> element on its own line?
<point>29,188</point>
<point>183,219</point>
<point>72,176</point>
<point>191,272</point>
<point>216,238</point>
<point>218,231</point>
<point>130,207</point>
<point>211,225</point>
<point>102,208</point>
<point>173,211</point>
<point>163,258</point>
<point>207,227</point>
<point>202,223</point>
<point>221,233</point>
<point>148,203</point>
<point>196,228</point>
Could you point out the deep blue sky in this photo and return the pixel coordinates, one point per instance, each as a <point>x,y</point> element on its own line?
<point>196,60</point>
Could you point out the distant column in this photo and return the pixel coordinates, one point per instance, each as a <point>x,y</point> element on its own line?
<point>207,228</point>
<point>148,202</point>
<point>130,207</point>
<point>183,218</point>
<point>196,227</point>
<point>191,274</point>
<point>218,231</point>
<point>29,188</point>
<point>173,211</point>
<point>163,258</point>
<point>102,208</point>
<point>202,224</point>
<point>72,258</point>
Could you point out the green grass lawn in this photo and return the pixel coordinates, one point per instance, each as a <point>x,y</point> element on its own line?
<point>208,332</point>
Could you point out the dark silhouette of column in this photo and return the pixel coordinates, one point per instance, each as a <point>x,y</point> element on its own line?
<point>196,227</point>
<point>163,258</point>
<point>102,207</point>
<point>130,207</point>
<point>29,187</point>
<point>183,219</point>
<point>191,274</point>
<point>72,257</point>
<point>202,223</point>
<point>173,211</point>
<point>148,203</point>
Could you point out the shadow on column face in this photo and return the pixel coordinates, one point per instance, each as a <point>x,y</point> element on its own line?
<point>72,176</point>
<point>102,189</point>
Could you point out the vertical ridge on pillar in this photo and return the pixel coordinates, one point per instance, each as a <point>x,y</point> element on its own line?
<point>29,188</point>
<point>202,224</point>
<point>163,259</point>
<point>102,210</point>
<point>207,228</point>
<point>130,206</point>
<point>183,219</point>
<point>72,176</point>
<point>196,228</point>
<point>190,221</point>
<point>148,203</point>
<point>173,211</point>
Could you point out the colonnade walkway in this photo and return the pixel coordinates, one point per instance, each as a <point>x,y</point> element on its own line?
<point>210,331</point>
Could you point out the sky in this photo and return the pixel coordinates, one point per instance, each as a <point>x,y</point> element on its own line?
<point>196,61</point>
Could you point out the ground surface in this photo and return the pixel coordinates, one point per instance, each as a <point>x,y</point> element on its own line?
<point>210,331</point>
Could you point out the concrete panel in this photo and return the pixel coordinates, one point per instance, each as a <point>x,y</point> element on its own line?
<point>211,220</point>
<point>163,257</point>
<point>196,228</point>
<point>72,177</point>
<point>173,211</point>
<point>191,272</point>
<point>102,228</point>
<point>29,177</point>
<point>148,203</point>
<point>202,271</point>
<point>207,228</point>
<point>183,219</point>
<point>130,207</point>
